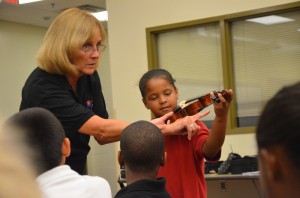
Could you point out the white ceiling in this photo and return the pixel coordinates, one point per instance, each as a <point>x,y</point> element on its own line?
<point>42,13</point>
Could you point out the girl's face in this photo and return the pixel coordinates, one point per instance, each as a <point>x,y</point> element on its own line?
<point>86,58</point>
<point>161,96</point>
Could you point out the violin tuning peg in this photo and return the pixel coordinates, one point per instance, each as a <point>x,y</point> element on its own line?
<point>216,98</point>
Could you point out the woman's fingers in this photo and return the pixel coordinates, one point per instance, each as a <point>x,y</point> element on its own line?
<point>201,114</point>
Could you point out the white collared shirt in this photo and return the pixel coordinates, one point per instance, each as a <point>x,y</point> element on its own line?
<point>63,182</point>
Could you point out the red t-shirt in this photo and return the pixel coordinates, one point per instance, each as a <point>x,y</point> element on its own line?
<point>184,169</point>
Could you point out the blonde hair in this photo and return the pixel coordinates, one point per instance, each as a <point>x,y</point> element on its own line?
<point>67,33</point>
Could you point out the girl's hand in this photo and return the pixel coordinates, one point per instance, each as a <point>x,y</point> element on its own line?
<point>221,108</point>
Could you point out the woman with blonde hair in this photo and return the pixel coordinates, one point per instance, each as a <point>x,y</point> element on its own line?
<point>66,82</point>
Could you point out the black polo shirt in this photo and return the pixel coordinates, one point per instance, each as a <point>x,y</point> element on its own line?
<point>145,188</point>
<point>53,92</point>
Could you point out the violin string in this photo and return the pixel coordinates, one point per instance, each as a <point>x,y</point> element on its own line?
<point>192,99</point>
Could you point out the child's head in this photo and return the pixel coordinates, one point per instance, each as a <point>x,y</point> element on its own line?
<point>158,91</point>
<point>43,132</point>
<point>142,148</point>
<point>278,137</point>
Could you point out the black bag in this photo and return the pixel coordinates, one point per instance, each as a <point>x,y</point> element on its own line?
<point>234,164</point>
<point>245,164</point>
<point>212,167</point>
<point>225,166</point>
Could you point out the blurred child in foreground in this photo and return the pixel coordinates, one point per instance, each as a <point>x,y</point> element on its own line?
<point>278,137</point>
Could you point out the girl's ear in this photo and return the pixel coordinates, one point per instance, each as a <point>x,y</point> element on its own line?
<point>177,94</point>
<point>144,101</point>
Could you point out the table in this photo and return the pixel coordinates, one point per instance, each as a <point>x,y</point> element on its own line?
<point>233,186</point>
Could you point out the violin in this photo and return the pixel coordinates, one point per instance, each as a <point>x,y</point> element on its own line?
<point>195,105</point>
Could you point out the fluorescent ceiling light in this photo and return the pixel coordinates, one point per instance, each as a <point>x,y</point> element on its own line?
<point>270,20</point>
<point>27,1</point>
<point>101,16</point>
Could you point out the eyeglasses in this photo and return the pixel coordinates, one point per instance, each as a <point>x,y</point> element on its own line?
<point>89,49</point>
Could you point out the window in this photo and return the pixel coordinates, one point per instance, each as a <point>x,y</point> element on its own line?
<point>266,56</point>
<point>234,51</point>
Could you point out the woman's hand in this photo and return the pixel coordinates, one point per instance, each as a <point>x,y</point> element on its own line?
<point>160,122</point>
<point>181,126</point>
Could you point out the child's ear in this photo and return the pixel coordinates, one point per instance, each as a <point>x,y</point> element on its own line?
<point>145,103</point>
<point>66,147</point>
<point>120,159</point>
<point>177,94</point>
<point>163,160</point>
<point>270,164</point>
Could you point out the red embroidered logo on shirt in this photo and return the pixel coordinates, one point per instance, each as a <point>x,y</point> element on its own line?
<point>89,104</point>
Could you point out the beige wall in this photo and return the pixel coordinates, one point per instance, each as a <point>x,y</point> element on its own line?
<point>18,45</point>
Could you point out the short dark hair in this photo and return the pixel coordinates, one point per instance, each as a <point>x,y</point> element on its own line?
<point>154,73</point>
<point>142,146</point>
<point>279,123</point>
<point>43,133</point>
